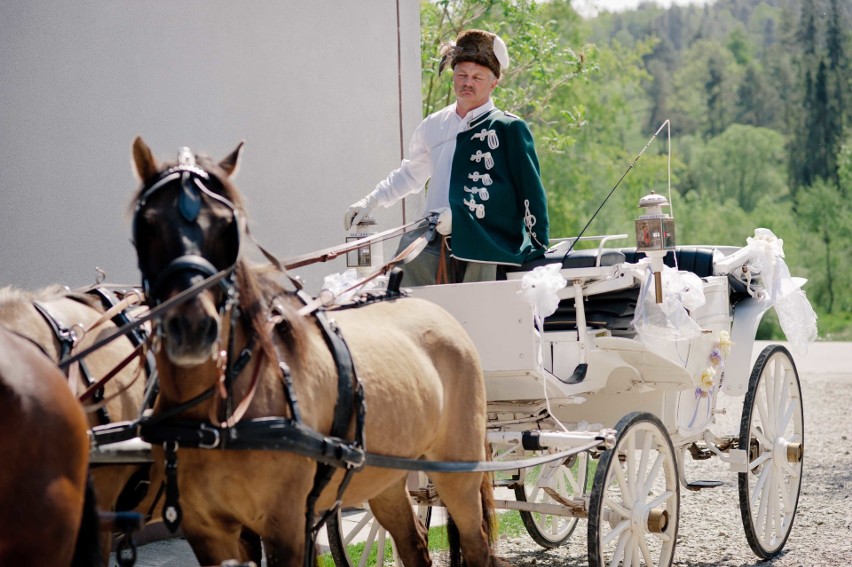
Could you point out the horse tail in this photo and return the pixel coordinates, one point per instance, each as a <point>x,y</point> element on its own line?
<point>87,551</point>
<point>489,519</point>
<point>486,495</point>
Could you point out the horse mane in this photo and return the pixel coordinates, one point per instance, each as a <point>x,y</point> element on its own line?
<point>259,292</point>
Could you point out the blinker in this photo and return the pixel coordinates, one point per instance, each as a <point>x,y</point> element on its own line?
<point>189,201</point>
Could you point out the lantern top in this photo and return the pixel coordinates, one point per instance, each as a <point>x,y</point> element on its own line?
<point>653,200</point>
<point>653,205</point>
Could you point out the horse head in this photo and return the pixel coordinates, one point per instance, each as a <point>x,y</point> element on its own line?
<point>186,228</point>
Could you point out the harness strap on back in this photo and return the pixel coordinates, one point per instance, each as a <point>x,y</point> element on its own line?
<point>138,336</point>
<point>68,338</point>
<point>347,385</point>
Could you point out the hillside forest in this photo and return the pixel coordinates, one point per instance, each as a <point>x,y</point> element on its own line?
<point>758,99</point>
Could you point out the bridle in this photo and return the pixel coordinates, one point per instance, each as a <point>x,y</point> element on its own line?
<point>194,188</point>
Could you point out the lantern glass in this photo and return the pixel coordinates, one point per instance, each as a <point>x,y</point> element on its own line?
<point>656,233</point>
<point>360,257</point>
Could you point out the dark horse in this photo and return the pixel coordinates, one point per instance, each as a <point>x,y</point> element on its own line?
<point>49,515</point>
<point>63,323</point>
<point>420,373</point>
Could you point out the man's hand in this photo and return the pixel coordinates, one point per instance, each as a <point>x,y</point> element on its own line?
<point>357,211</point>
<point>445,221</point>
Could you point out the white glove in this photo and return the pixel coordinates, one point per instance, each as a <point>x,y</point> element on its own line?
<point>358,210</point>
<point>445,221</point>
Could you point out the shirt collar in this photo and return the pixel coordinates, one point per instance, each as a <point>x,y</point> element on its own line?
<point>474,114</point>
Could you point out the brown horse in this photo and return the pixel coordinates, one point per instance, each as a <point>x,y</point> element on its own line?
<point>420,373</point>
<point>46,314</point>
<point>43,480</point>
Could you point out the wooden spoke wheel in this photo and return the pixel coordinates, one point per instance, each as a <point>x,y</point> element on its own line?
<point>772,433</point>
<point>635,499</point>
<point>356,539</point>
<point>556,483</point>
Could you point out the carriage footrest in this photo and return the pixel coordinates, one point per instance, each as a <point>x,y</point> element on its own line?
<point>697,485</point>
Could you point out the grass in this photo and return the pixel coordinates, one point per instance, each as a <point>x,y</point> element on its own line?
<point>509,524</point>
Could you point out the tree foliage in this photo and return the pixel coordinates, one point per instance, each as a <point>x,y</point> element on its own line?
<point>756,92</point>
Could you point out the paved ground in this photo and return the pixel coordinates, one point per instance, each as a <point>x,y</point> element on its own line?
<point>823,525</point>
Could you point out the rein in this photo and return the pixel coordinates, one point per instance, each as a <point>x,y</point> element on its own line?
<point>620,179</point>
<point>153,313</point>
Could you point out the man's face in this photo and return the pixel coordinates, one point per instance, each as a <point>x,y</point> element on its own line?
<point>473,84</point>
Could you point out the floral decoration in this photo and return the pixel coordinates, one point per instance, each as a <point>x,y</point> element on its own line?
<point>720,351</point>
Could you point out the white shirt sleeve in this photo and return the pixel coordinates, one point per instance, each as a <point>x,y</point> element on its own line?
<point>412,174</point>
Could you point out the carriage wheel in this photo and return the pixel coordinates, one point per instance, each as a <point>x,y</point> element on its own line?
<point>772,432</point>
<point>344,538</point>
<point>634,505</point>
<point>552,483</point>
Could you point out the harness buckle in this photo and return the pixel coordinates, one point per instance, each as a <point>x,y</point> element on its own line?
<point>204,428</point>
<point>353,457</point>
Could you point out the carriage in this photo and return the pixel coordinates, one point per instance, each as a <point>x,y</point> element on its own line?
<point>592,376</point>
<point>645,396</point>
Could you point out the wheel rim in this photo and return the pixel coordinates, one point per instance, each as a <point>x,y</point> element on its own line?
<point>633,515</point>
<point>348,529</point>
<point>552,483</point>
<point>772,432</point>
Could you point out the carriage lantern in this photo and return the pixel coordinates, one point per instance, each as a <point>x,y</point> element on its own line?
<point>365,259</point>
<point>655,235</point>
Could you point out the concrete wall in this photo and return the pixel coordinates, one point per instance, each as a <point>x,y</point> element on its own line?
<point>325,93</point>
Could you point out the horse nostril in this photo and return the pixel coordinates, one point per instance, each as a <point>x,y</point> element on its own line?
<point>212,331</point>
<point>172,327</point>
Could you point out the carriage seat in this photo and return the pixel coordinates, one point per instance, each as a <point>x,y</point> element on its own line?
<point>615,310</point>
<point>695,259</point>
<point>576,259</point>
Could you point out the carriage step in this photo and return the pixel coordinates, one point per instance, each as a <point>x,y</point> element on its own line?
<point>697,485</point>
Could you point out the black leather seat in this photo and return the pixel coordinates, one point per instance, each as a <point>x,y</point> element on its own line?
<point>615,310</point>
<point>576,259</point>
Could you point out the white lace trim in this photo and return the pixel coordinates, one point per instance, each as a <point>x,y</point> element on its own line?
<point>490,135</point>
<point>476,177</point>
<point>481,191</point>
<point>475,207</point>
<point>529,222</point>
<point>480,155</point>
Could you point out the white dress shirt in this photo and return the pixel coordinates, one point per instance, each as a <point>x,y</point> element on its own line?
<point>430,157</point>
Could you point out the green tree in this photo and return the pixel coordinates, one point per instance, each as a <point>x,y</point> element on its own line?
<point>824,211</point>
<point>542,63</point>
<point>710,109</point>
<point>741,165</point>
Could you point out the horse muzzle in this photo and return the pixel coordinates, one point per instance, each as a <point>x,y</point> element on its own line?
<point>190,334</point>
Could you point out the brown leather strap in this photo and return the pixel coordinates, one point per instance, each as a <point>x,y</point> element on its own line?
<point>137,352</point>
<point>132,299</point>
<point>442,275</point>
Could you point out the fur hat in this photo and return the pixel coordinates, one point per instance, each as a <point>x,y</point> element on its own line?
<point>476,46</point>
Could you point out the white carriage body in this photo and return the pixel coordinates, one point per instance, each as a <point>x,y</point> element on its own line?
<point>527,369</point>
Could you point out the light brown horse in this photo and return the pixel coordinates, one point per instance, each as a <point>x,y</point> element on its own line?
<point>37,315</point>
<point>43,480</point>
<point>420,372</point>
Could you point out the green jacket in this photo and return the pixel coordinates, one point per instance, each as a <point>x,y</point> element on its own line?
<point>498,203</point>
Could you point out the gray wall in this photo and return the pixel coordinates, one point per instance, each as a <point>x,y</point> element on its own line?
<point>325,93</point>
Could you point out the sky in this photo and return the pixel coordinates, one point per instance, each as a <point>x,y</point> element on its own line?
<point>589,8</point>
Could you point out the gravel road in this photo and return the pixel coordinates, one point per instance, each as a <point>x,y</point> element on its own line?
<point>711,530</point>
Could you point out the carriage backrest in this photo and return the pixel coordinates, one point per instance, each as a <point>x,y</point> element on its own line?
<point>615,310</point>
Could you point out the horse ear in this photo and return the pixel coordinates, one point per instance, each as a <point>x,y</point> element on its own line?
<point>231,163</point>
<point>145,163</point>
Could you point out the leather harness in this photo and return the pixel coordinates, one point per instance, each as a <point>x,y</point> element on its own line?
<point>331,451</point>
